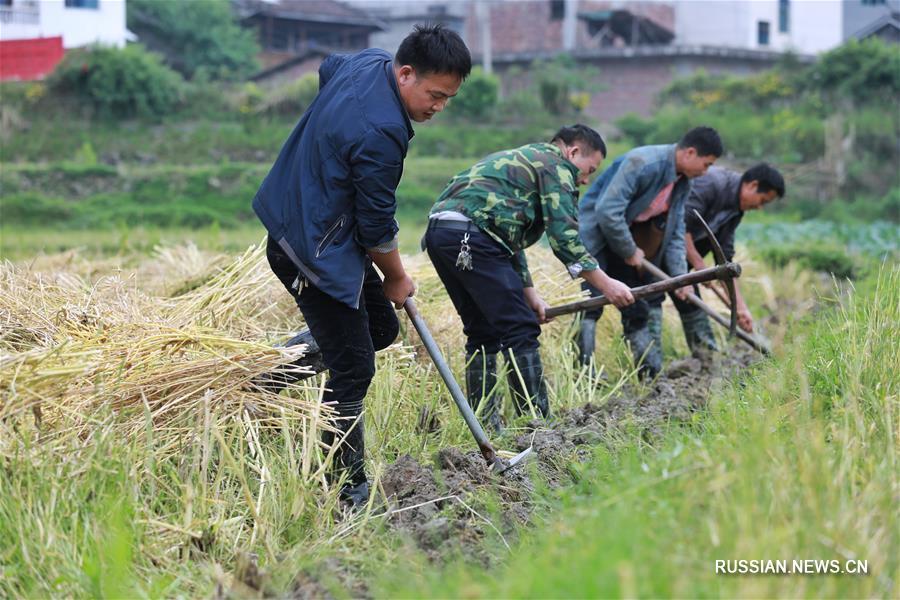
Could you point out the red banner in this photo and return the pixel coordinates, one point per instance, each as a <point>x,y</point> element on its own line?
<point>26,60</point>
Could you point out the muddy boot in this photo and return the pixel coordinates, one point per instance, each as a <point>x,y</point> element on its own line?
<point>645,352</point>
<point>528,370</point>
<point>481,381</point>
<point>349,458</point>
<point>654,326</point>
<point>355,496</point>
<point>699,334</point>
<point>284,376</point>
<point>585,340</point>
<point>584,343</point>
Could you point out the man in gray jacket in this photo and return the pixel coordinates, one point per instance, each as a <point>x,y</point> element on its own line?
<point>635,209</point>
<point>721,197</point>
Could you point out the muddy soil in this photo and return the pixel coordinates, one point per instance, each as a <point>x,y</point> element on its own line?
<point>417,494</point>
<point>434,505</point>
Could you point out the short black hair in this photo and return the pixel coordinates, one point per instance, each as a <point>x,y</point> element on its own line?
<point>581,134</point>
<point>432,48</point>
<point>705,140</point>
<point>766,177</point>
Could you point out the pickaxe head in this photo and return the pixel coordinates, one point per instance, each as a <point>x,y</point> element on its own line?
<point>719,255</point>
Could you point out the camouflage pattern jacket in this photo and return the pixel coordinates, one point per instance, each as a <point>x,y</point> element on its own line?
<point>515,196</point>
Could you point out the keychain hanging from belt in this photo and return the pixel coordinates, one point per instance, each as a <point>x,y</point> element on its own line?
<point>464,258</point>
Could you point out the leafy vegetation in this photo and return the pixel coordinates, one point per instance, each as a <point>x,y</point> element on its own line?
<point>114,82</point>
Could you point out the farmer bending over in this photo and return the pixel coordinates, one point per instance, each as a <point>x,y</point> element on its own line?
<point>328,204</point>
<point>476,236</point>
<point>721,197</point>
<point>635,209</point>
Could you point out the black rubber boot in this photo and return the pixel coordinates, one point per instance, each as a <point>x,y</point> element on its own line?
<point>526,368</point>
<point>481,381</point>
<point>355,496</point>
<point>585,343</point>
<point>645,352</point>
<point>699,334</point>
<point>284,376</point>
<point>349,458</point>
<point>654,325</point>
<point>585,340</point>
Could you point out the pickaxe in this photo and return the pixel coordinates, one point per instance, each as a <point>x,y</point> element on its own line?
<point>730,302</point>
<point>727,271</point>
<point>724,271</point>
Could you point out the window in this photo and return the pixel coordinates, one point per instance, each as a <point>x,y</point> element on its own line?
<point>762,33</point>
<point>82,3</point>
<point>784,16</point>
<point>557,10</point>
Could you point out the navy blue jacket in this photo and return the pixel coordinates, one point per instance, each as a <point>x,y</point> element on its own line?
<point>330,196</point>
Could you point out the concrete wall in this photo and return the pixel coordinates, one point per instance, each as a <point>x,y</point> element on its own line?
<point>77,26</point>
<point>814,25</point>
<point>631,84</point>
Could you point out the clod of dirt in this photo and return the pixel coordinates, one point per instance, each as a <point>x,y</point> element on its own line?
<point>406,483</point>
<point>306,587</point>
<point>684,367</point>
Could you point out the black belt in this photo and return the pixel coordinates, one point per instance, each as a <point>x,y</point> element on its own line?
<point>452,225</point>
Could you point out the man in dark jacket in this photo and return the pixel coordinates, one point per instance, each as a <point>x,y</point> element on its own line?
<point>477,234</point>
<point>635,209</point>
<point>721,197</point>
<point>329,202</point>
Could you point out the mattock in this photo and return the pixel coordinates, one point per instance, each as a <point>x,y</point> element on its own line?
<point>731,301</point>
<point>724,271</point>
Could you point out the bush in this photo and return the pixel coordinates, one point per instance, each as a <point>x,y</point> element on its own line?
<point>478,95</point>
<point>831,259</point>
<point>291,98</point>
<point>117,82</point>
<point>562,84</point>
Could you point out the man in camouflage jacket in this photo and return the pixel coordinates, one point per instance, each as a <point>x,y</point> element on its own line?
<point>477,233</point>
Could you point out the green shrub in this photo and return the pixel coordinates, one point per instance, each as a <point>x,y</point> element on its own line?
<point>291,98</point>
<point>117,82</point>
<point>825,258</point>
<point>477,96</point>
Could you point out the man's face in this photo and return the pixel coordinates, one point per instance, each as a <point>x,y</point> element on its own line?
<point>425,96</point>
<point>692,164</point>
<point>586,160</point>
<point>752,198</point>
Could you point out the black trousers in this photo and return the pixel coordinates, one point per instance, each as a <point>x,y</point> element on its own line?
<point>634,316</point>
<point>489,298</point>
<point>348,339</point>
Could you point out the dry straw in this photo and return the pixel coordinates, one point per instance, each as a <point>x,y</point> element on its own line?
<point>71,351</point>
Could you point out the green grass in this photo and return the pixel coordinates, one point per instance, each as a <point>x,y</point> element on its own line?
<point>798,461</point>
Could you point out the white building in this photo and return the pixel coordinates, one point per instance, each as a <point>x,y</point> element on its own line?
<point>78,22</point>
<point>805,26</point>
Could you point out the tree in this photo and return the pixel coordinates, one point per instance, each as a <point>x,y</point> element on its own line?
<point>195,36</point>
<point>478,94</point>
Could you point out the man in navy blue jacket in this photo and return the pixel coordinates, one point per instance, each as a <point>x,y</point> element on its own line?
<point>329,202</point>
